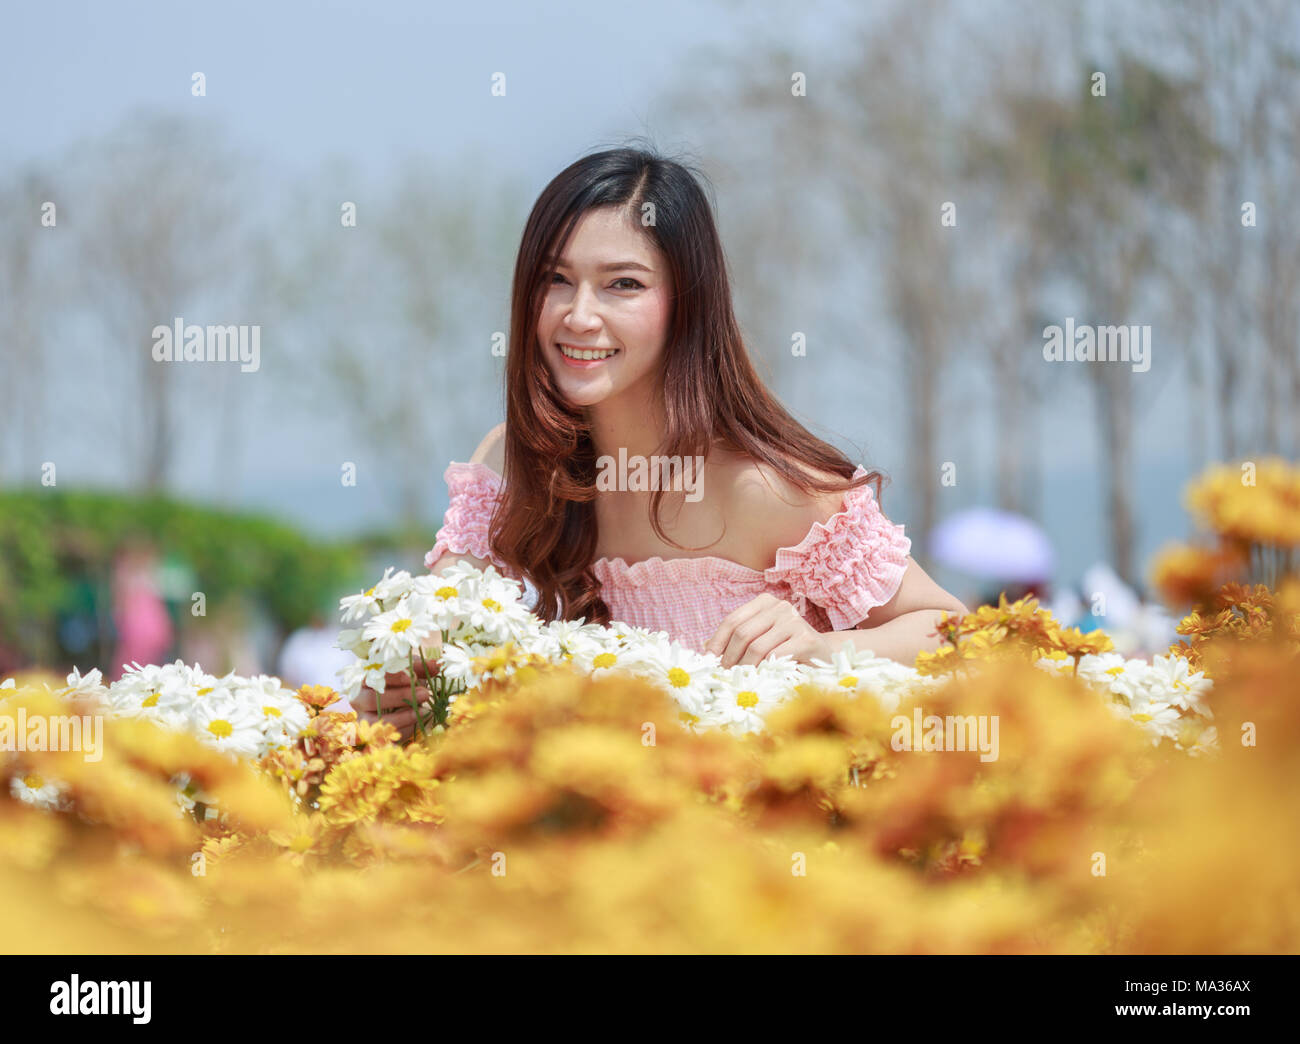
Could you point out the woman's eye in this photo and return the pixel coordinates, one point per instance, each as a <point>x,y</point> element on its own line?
<point>556,277</point>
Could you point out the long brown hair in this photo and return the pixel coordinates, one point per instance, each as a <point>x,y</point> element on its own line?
<point>544,525</point>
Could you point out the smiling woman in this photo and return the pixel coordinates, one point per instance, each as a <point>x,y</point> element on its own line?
<point>624,345</point>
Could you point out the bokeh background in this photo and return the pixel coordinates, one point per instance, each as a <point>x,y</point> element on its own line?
<point>1118,163</point>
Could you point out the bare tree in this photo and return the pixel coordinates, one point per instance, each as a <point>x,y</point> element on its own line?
<point>1246,57</point>
<point>394,315</point>
<point>25,309</point>
<point>159,216</point>
<point>1118,171</point>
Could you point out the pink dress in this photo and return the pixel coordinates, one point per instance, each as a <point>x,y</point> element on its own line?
<point>842,569</point>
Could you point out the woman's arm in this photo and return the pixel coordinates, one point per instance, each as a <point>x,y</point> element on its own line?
<point>903,626</point>
<point>898,629</point>
<point>491,453</point>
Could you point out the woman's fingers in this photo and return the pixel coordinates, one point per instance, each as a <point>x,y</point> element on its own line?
<point>402,720</point>
<point>392,698</point>
<point>397,710</point>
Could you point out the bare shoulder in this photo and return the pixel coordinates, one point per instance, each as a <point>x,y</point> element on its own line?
<point>769,511</point>
<point>491,451</point>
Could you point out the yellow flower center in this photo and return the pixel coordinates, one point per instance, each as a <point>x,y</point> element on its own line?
<point>688,717</point>
<point>747,698</point>
<point>678,678</point>
<point>301,843</point>
<point>446,592</point>
<point>849,681</point>
<point>150,701</point>
<point>1115,672</point>
<point>204,692</point>
<point>272,712</point>
<point>1142,717</point>
<point>33,780</point>
<point>400,625</point>
<point>368,592</point>
<point>220,728</point>
<point>491,603</point>
<point>605,659</point>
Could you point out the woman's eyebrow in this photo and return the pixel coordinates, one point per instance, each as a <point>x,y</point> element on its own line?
<point>611,266</point>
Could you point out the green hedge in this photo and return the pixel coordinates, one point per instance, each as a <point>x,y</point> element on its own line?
<point>52,541</point>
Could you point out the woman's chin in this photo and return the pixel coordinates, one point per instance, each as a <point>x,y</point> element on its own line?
<point>578,393</point>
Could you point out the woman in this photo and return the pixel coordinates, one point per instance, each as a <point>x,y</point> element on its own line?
<point>624,347</point>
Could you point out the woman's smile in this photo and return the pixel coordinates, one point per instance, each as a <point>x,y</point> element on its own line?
<point>584,358</point>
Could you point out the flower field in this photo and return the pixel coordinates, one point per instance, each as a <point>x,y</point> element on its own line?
<point>575,788</point>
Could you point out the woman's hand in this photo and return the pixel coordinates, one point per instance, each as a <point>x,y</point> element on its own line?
<point>398,693</point>
<point>767,626</point>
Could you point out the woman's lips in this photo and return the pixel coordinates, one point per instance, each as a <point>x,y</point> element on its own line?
<point>584,364</point>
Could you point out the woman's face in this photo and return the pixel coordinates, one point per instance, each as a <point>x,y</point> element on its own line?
<point>609,293</point>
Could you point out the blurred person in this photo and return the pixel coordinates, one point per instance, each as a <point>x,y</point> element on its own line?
<point>1015,590</point>
<point>310,657</point>
<point>140,617</point>
<point>232,636</point>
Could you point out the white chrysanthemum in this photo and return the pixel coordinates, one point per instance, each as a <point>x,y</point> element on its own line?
<point>1112,673</point>
<point>573,639</point>
<point>456,662</point>
<point>395,634</point>
<point>1055,664</point>
<point>744,694</point>
<point>860,672</point>
<point>363,673</point>
<point>260,712</point>
<point>438,599</point>
<point>283,715</point>
<point>353,640</point>
<point>1158,720</point>
<point>1173,679</point>
<point>1206,743</point>
<point>484,618</point>
<point>152,692</point>
<point>38,791</point>
<point>685,674</point>
<point>230,726</point>
<point>541,642</point>
<point>629,634</point>
<point>88,686</point>
<point>390,588</point>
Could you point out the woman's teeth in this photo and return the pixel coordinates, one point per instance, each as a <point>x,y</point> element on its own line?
<point>574,353</point>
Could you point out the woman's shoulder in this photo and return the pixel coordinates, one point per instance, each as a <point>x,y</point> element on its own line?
<point>491,452</point>
<point>479,479</point>
<point>770,509</point>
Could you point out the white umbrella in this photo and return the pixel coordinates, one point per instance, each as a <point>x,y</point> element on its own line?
<point>995,545</point>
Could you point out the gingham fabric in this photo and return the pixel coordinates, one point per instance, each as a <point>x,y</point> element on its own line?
<point>843,568</point>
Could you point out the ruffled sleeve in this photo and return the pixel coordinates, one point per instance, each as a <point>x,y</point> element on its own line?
<point>848,565</point>
<point>473,489</point>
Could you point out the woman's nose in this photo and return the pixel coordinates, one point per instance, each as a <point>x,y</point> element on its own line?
<point>582,311</point>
